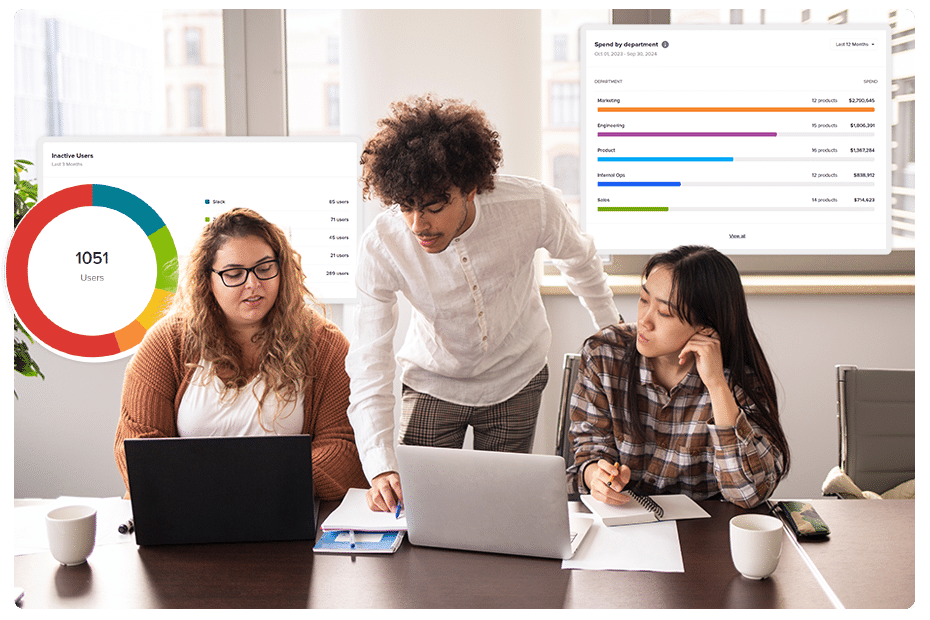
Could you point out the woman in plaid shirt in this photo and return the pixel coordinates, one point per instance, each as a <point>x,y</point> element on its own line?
<point>683,401</point>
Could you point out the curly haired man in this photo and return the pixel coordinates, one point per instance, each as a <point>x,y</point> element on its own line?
<point>458,241</point>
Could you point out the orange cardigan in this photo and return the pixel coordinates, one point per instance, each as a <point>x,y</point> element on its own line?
<point>157,377</point>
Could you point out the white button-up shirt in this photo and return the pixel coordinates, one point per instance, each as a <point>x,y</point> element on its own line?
<point>478,332</point>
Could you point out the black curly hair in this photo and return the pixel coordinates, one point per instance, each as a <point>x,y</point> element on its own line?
<point>425,147</point>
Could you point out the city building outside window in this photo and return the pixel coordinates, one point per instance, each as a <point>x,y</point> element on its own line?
<point>566,174</point>
<point>116,73</point>
<point>564,104</point>
<point>312,40</point>
<point>560,48</point>
<point>194,106</point>
<point>332,105</point>
<point>193,53</point>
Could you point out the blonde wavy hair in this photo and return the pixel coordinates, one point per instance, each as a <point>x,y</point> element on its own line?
<point>286,348</point>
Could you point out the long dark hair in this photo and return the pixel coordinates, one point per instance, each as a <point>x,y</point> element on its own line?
<point>707,291</point>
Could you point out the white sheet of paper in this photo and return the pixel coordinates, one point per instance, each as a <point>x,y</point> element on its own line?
<point>360,537</point>
<point>354,514</point>
<point>646,546</point>
<point>678,507</point>
<point>30,535</point>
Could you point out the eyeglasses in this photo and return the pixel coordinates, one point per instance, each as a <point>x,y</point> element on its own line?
<point>237,276</point>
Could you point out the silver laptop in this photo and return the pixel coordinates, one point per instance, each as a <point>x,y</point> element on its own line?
<point>498,502</point>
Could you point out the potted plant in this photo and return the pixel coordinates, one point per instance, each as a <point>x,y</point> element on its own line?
<point>25,194</point>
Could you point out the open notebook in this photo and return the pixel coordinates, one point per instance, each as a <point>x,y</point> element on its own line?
<point>646,509</point>
<point>353,514</point>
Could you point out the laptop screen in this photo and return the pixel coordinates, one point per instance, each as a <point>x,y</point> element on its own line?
<point>221,489</point>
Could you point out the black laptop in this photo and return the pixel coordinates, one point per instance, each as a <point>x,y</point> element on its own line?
<point>221,489</point>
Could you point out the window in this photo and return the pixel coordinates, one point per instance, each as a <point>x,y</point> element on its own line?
<point>904,141</point>
<point>194,106</point>
<point>115,72</point>
<point>193,53</point>
<point>560,47</point>
<point>564,104</point>
<point>313,45</point>
<point>332,55</point>
<point>195,79</point>
<point>86,73</point>
<point>566,174</point>
<point>169,117</point>
<point>332,105</point>
<point>560,104</point>
<point>169,42</point>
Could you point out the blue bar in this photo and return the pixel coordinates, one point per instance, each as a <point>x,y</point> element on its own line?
<point>639,184</point>
<point>664,159</point>
<point>129,205</point>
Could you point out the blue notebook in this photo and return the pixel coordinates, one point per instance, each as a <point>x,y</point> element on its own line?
<point>341,541</point>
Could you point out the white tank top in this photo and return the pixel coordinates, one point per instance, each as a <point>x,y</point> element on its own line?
<point>206,412</point>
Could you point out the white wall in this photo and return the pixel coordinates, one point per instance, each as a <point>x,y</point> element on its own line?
<point>489,57</point>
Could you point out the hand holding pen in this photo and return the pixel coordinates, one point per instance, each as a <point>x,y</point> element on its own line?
<point>607,480</point>
<point>385,493</point>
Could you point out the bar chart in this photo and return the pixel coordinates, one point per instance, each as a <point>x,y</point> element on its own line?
<point>752,140</point>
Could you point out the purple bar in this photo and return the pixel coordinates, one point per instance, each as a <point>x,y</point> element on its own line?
<point>687,134</point>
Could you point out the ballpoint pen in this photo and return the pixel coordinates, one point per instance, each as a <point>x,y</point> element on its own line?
<point>352,539</point>
<point>616,466</point>
<point>397,511</point>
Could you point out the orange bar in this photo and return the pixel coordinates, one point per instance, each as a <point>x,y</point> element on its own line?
<point>736,109</point>
<point>129,336</point>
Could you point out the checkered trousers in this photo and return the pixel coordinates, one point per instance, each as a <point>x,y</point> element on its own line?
<point>505,427</point>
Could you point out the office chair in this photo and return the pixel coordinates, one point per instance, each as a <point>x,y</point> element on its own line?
<point>875,408</point>
<point>563,442</point>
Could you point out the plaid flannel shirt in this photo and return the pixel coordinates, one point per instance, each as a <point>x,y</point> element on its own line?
<point>683,452</point>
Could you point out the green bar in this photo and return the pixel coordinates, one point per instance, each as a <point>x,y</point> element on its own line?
<point>166,256</point>
<point>632,208</point>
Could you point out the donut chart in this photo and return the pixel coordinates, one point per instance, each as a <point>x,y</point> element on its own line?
<point>124,337</point>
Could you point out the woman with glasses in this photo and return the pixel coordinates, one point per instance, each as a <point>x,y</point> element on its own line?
<point>241,353</point>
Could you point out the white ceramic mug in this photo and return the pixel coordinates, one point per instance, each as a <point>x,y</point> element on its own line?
<point>755,544</point>
<point>71,533</point>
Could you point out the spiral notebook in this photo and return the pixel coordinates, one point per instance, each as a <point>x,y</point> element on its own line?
<point>645,509</point>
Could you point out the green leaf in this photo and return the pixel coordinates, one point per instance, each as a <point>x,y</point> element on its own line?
<point>25,195</point>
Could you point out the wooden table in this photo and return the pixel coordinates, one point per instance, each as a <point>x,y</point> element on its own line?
<point>868,560</point>
<point>289,574</point>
